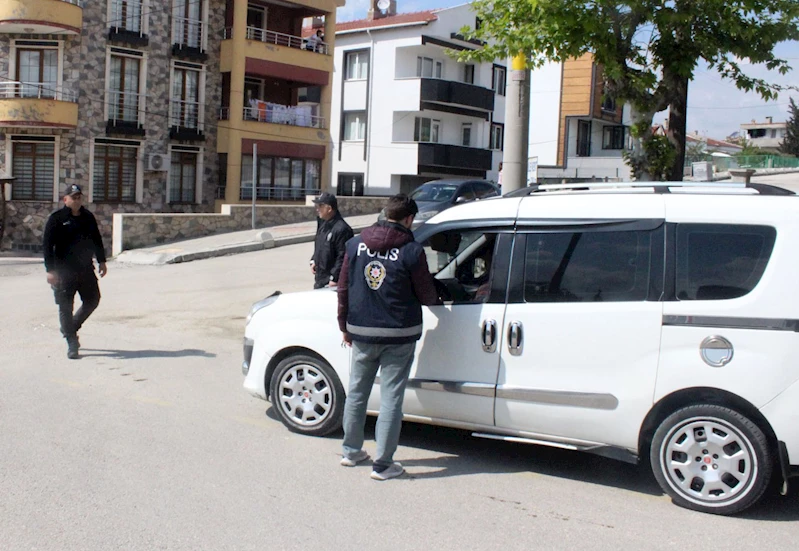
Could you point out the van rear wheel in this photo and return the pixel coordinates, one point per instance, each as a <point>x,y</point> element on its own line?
<point>711,459</point>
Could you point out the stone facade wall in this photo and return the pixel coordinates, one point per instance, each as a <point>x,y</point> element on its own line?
<point>84,72</point>
<point>134,231</point>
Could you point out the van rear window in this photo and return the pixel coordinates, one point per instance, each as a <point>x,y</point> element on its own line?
<point>721,261</point>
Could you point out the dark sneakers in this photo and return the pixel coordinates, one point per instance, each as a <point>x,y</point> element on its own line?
<point>72,348</point>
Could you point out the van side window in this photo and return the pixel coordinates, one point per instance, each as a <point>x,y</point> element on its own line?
<point>609,266</point>
<point>721,261</point>
<point>461,260</point>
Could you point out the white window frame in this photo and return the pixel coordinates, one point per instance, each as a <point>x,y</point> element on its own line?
<point>500,84</point>
<point>178,5</point>
<point>133,54</point>
<point>492,141</point>
<point>139,145</point>
<point>362,73</point>
<point>201,80</point>
<point>41,45</point>
<point>198,176</point>
<point>470,127</point>
<point>435,128</point>
<point>11,139</point>
<point>361,120</point>
<point>436,67</point>
<point>144,16</point>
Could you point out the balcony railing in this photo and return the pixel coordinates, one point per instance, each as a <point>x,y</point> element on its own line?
<point>186,114</point>
<point>126,15</point>
<point>280,39</point>
<point>36,90</point>
<point>282,114</point>
<point>457,93</point>
<point>78,3</point>
<point>188,32</point>
<point>443,155</point>
<point>123,106</point>
<point>224,114</point>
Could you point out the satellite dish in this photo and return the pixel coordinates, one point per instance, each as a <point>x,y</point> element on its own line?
<point>383,5</point>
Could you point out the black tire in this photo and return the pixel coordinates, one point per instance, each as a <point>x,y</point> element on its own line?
<point>307,395</point>
<point>711,459</point>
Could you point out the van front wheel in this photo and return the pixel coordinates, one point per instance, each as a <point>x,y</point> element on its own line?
<point>711,459</point>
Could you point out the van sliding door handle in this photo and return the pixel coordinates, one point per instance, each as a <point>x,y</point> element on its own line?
<point>515,338</point>
<point>489,336</point>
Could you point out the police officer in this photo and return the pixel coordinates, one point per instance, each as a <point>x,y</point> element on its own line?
<point>332,234</point>
<point>71,241</point>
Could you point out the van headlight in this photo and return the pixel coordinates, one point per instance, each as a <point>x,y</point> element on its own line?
<point>262,304</point>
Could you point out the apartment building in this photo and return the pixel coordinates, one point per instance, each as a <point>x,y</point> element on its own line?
<point>576,132</point>
<point>274,133</point>
<point>118,96</point>
<point>404,111</point>
<point>766,135</point>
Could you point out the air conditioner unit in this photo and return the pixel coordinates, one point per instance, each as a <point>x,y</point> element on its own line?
<point>157,161</point>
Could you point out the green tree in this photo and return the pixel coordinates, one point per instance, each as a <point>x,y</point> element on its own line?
<point>790,144</point>
<point>648,50</point>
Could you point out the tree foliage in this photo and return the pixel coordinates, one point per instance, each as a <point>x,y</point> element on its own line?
<point>648,49</point>
<point>790,144</point>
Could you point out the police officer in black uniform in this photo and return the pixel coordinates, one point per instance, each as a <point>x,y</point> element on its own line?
<point>71,242</point>
<point>332,234</point>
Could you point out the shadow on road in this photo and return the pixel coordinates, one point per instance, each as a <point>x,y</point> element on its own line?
<point>134,354</point>
<point>463,454</point>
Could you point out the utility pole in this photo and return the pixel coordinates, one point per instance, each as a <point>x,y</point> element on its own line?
<point>517,126</point>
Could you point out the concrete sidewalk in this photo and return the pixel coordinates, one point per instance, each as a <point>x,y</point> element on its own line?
<point>233,243</point>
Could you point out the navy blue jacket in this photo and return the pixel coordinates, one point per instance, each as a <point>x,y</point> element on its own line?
<point>70,242</point>
<point>383,283</point>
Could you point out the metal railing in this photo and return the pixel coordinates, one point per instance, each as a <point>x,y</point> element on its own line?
<point>123,106</point>
<point>224,114</point>
<point>275,193</point>
<point>78,3</point>
<point>188,32</point>
<point>186,114</point>
<point>763,162</point>
<point>282,114</point>
<point>36,90</point>
<point>280,39</point>
<point>127,15</point>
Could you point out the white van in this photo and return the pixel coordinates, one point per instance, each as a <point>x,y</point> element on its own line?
<point>635,321</point>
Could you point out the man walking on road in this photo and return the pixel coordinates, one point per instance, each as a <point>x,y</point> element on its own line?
<point>332,234</point>
<point>71,241</point>
<point>384,282</point>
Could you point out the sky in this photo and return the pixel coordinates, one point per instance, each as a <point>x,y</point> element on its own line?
<point>716,108</point>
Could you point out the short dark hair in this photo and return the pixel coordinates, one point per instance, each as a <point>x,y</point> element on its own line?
<point>400,206</point>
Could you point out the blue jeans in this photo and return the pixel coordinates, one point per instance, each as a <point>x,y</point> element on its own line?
<point>394,361</point>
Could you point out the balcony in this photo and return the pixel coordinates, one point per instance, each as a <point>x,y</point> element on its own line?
<point>127,23</point>
<point>287,40</point>
<point>186,120</point>
<point>453,158</point>
<point>40,105</point>
<point>450,94</point>
<point>125,113</point>
<point>41,16</point>
<point>283,114</point>
<point>188,39</point>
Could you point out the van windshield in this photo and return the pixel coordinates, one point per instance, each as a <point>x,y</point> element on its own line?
<point>434,192</point>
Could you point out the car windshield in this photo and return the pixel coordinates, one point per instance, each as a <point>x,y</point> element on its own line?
<point>434,192</point>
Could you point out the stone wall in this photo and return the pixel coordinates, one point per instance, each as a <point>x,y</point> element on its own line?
<point>135,231</point>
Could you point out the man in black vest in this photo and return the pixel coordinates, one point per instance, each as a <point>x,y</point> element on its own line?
<point>71,241</point>
<point>384,282</point>
<point>332,233</point>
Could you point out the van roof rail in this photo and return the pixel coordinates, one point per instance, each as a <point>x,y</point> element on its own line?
<point>659,187</point>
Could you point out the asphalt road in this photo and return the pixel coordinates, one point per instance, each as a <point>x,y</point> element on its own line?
<point>149,442</point>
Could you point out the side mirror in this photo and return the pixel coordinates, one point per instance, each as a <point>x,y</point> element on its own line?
<point>461,199</point>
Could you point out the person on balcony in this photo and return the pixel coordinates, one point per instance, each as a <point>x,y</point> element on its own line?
<point>315,42</point>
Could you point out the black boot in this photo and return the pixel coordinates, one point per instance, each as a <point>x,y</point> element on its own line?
<point>72,347</point>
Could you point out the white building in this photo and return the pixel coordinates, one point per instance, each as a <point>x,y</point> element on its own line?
<point>404,111</point>
<point>768,135</point>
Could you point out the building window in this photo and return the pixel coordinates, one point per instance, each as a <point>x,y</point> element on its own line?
<point>37,69</point>
<point>468,74</point>
<point>187,23</point>
<point>256,18</point>
<point>613,137</point>
<point>428,68</point>
<point>497,137</point>
<point>33,167</point>
<point>127,15</point>
<point>124,85</point>
<point>280,178</point>
<point>583,138</point>
<point>466,134</point>
<point>183,177</point>
<point>355,126</point>
<point>185,106</point>
<point>426,130</point>
<point>498,80</point>
<point>114,173</point>
<point>221,188</point>
<point>357,65</point>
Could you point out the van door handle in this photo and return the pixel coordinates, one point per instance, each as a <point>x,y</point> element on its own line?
<point>515,338</point>
<point>489,336</point>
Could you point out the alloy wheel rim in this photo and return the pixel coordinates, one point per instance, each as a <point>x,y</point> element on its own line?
<point>305,395</point>
<point>708,462</point>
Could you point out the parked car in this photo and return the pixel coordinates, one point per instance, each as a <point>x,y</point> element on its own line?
<point>614,319</point>
<point>439,195</point>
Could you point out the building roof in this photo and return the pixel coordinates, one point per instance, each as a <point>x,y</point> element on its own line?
<point>399,20</point>
<point>711,142</point>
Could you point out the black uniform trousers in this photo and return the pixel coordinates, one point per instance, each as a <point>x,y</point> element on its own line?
<point>85,285</point>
